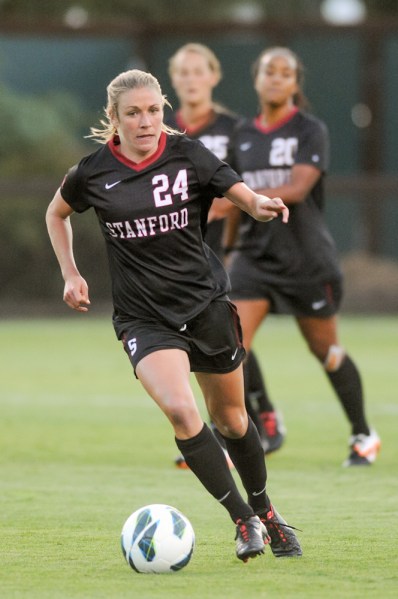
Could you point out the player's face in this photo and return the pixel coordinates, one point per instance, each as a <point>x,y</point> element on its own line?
<point>193,79</point>
<point>139,122</point>
<point>276,81</point>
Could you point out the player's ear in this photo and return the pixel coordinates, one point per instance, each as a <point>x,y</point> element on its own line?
<point>296,89</point>
<point>113,117</point>
<point>215,79</point>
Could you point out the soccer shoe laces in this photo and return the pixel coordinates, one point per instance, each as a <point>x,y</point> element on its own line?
<point>284,542</point>
<point>272,519</point>
<point>242,529</point>
<point>276,524</point>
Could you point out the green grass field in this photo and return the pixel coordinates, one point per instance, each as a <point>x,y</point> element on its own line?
<point>82,446</point>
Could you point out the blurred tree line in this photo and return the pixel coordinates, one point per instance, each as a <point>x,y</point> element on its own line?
<point>157,11</point>
<point>41,133</point>
<point>42,140</point>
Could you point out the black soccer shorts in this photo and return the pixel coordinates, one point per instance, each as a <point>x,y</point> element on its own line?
<point>316,300</point>
<point>212,340</point>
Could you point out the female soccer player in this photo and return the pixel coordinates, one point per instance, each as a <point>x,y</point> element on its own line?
<point>294,269</point>
<point>195,71</point>
<point>151,189</point>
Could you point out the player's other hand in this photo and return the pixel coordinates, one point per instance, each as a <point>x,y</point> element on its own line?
<point>269,208</point>
<point>76,294</point>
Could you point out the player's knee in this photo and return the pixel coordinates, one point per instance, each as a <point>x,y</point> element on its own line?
<point>232,427</point>
<point>334,358</point>
<point>179,410</point>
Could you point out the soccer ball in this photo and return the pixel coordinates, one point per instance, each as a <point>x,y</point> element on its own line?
<point>156,539</point>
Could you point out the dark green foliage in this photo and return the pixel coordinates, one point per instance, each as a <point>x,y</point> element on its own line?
<point>28,267</point>
<point>42,133</point>
<point>43,140</point>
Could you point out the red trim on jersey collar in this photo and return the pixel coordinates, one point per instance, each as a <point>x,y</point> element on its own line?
<point>280,123</point>
<point>137,166</point>
<point>192,130</point>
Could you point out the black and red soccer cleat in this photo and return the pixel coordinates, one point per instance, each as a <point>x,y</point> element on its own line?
<point>251,536</point>
<point>273,430</point>
<point>284,542</point>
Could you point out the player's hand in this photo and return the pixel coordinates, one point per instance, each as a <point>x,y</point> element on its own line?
<point>76,294</point>
<point>269,208</point>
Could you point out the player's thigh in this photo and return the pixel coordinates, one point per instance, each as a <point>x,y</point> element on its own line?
<point>251,314</point>
<point>165,375</point>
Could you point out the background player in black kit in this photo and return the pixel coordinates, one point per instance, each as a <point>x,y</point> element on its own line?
<point>195,71</point>
<point>294,269</point>
<point>150,189</point>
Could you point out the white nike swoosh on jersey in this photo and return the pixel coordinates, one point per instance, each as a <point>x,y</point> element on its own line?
<point>234,354</point>
<point>318,305</point>
<point>246,146</point>
<point>110,185</point>
<point>183,328</point>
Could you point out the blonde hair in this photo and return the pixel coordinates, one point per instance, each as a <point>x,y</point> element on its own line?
<point>212,60</point>
<point>132,79</point>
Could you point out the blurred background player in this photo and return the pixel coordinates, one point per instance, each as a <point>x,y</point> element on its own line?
<point>194,72</point>
<point>294,269</point>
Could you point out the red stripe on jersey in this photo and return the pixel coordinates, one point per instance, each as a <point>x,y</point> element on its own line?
<point>280,123</point>
<point>137,166</point>
<point>205,122</point>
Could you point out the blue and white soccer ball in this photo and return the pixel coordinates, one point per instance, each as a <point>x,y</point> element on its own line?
<point>156,539</point>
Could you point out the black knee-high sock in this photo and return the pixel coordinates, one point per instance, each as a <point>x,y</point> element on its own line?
<point>346,382</point>
<point>248,457</point>
<point>206,459</point>
<point>252,411</point>
<point>217,435</point>
<point>256,389</point>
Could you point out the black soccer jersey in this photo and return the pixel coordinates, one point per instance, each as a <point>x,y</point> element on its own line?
<point>302,250</point>
<point>150,215</point>
<point>215,135</point>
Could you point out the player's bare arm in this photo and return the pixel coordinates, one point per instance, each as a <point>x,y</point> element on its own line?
<point>60,232</point>
<point>258,206</point>
<point>303,178</point>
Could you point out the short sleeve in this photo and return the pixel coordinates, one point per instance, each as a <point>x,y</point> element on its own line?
<point>214,172</point>
<point>224,178</point>
<point>73,189</point>
<point>313,147</point>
